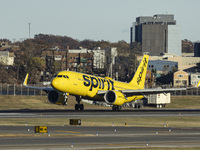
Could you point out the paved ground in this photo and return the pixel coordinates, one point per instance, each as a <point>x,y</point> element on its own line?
<point>78,137</point>
<point>98,137</point>
<point>99,113</point>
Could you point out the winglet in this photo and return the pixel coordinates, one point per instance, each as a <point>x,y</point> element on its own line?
<point>25,80</point>
<point>198,83</point>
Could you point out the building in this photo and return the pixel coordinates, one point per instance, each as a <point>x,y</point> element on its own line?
<point>196,49</point>
<point>184,62</point>
<point>181,78</point>
<point>55,60</point>
<point>6,46</point>
<point>74,60</point>
<point>7,58</point>
<point>194,78</point>
<point>111,55</point>
<point>158,34</point>
<point>99,58</point>
<point>162,66</point>
<point>80,60</point>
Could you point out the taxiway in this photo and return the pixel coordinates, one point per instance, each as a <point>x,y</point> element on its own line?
<point>97,137</point>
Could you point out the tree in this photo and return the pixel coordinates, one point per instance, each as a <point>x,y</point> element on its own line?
<point>7,74</point>
<point>187,46</point>
<point>35,66</point>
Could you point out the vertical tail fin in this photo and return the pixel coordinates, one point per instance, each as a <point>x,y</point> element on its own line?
<point>140,75</point>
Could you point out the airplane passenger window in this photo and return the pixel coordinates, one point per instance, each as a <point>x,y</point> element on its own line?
<point>59,76</point>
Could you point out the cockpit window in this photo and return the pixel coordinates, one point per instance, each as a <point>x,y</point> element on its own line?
<point>65,76</point>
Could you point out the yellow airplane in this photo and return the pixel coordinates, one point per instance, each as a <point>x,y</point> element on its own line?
<point>84,86</point>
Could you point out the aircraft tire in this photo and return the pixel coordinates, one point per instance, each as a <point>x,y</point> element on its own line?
<point>119,108</point>
<point>81,107</point>
<point>77,107</point>
<point>116,108</point>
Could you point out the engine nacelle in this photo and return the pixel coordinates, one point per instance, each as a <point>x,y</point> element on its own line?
<point>114,98</point>
<point>56,97</point>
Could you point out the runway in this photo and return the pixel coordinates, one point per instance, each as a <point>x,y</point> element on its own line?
<point>99,113</point>
<point>97,137</point>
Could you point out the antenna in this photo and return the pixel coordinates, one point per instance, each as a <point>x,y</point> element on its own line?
<point>29,25</point>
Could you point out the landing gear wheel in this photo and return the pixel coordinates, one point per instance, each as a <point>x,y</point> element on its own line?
<point>79,107</point>
<point>76,107</point>
<point>116,108</point>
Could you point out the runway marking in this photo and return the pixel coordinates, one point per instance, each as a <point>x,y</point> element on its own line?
<point>125,145</point>
<point>67,131</point>
<point>162,131</point>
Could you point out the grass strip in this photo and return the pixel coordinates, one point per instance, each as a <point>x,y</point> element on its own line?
<point>102,121</point>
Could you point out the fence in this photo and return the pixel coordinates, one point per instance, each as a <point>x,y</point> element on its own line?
<point>192,91</point>
<point>6,89</point>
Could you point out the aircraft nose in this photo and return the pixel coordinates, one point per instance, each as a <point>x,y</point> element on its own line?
<point>55,83</point>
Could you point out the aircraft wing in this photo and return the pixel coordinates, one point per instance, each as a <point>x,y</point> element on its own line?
<point>46,89</point>
<point>146,91</point>
<point>151,91</point>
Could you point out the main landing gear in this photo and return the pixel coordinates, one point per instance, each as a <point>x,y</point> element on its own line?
<point>116,108</point>
<point>79,106</point>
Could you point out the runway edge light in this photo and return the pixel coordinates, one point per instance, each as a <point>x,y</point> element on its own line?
<point>72,144</point>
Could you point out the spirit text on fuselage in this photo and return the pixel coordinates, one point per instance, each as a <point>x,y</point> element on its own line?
<point>96,82</point>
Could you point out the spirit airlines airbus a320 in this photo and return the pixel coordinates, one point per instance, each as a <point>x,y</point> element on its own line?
<point>84,86</point>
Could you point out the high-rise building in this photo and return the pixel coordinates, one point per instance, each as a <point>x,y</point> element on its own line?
<point>158,34</point>
<point>197,49</point>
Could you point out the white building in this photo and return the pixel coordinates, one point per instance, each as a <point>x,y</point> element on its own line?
<point>195,77</point>
<point>7,58</point>
<point>174,39</point>
<point>99,58</point>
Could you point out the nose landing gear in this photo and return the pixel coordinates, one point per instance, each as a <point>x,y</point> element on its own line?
<point>65,98</point>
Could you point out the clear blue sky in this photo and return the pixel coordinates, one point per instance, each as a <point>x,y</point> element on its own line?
<point>108,20</point>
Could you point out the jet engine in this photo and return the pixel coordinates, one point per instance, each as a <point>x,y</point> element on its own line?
<point>56,97</point>
<point>114,98</point>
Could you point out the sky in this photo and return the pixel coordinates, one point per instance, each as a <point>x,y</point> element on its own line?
<point>108,20</point>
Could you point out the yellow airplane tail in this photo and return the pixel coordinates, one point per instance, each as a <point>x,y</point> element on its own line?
<point>140,75</point>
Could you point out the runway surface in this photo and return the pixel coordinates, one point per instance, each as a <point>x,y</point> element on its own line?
<point>100,137</point>
<point>94,137</point>
<point>99,113</point>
